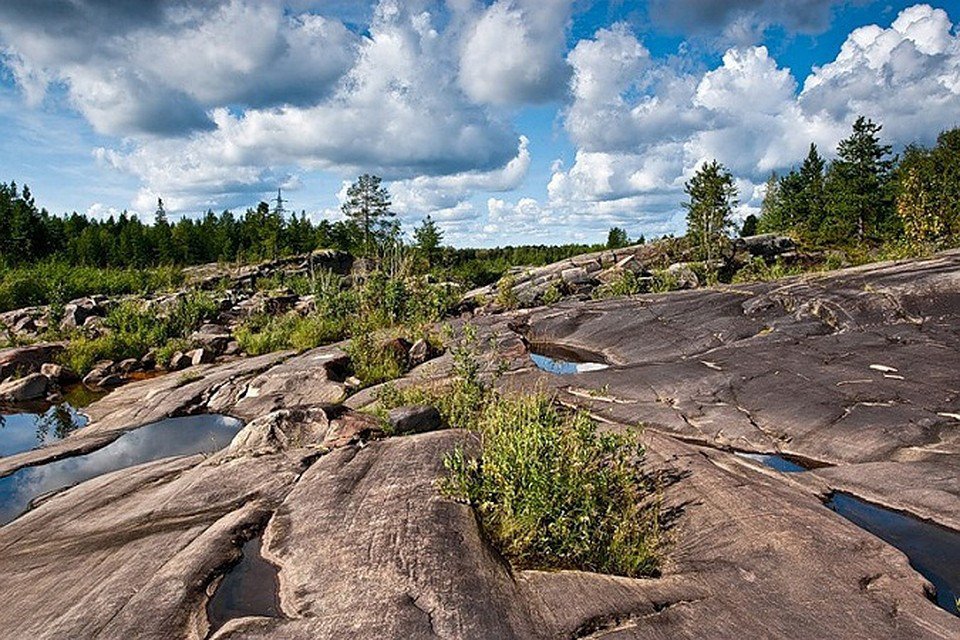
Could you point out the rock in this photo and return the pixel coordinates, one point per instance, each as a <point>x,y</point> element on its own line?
<point>26,324</point>
<point>212,337</point>
<point>58,373</point>
<point>200,356</point>
<point>28,359</point>
<point>148,361</point>
<point>685,277</point>
<point>76,312</point>
<point>767,246</point>
<point>112,380</point>
<point>414,419</point>
<point>99,373</point>
<point>420,352</point>
<point>179,361</point>
<point>575,275</point>
<point>30,387</point>
<point>128,366</point>
<point>232,348</point>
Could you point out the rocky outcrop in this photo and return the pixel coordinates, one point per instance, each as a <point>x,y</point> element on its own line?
<point>27,359</point>
<point>30,387</point>
<point>581,274</point>
<point>854,369</point>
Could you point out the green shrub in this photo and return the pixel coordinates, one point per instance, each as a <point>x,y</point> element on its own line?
<point>133,329</point>
<point>552,294</point>
<point>550,491</point>
<point>553,493</point>
<point>506,296</point>
<point>373,361</point>
<point>626,284</point>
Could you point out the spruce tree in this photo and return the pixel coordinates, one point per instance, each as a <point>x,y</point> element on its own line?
<point>858,185</point>
<point>713,195</point>
<point>428,237</point>
<point>368,205</point>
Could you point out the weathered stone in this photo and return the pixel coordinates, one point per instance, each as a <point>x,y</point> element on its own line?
<point>28,359</point>
<point>232,348</point>
<point>179,360</point>
<point>419,352</point>
<point>212,337</point>
<point>149,360</point>
<point>200,356</point>
<point>77,311</point>
<point>111,380</point>
<point>414,419</point>
<point>29,387</point>
<point>128,366</point>
<point>574,275</point>
<point>58,373</point>
<point>686,278</point>
<point>26,324</point>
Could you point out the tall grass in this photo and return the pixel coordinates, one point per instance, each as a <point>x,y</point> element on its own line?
<point>59,282</point>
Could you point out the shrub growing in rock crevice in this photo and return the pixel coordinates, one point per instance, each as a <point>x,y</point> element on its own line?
<point>549,490</point>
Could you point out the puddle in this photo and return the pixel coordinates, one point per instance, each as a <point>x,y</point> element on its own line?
<point>773,461</point>
<point>248,589</point>
<point>24,431</point>
<point>934,551</point>
<point>171,437</point>
<point>565,361</point>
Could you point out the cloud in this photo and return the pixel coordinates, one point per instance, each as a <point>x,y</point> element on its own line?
<point>906,76</point>
<point>742,22</point>
<point>398,113</point>
<point>642,127</point>
<point>157,67</point>
<point>513,52</point>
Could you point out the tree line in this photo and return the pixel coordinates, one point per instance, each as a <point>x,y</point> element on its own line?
<point>867,195</point>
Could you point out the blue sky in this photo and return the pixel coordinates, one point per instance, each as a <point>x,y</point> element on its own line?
<point>509,121</point>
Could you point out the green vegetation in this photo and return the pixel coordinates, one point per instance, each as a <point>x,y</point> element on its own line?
<point>553,492</point>
<point>867,198</point>
<point>713,196</point>
<point>53,282</point>
<point>134,329</point>
<point>550,491</point>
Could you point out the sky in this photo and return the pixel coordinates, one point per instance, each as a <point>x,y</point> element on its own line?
<point>507,121</point>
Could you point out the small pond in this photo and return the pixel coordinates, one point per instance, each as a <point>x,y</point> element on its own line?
<point>564,360</point>
<point>171,437</point>
<point>934,551</point>
<point>24,431</point>
<point>249,589</point>
<point>774,461</point>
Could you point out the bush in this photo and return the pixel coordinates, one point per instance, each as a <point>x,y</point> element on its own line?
<point>552,492</point>
<point>134,329</point>
<point>506,296</point>
<point>373,361</point>
<point>626,284</point>
<point>549,490</point>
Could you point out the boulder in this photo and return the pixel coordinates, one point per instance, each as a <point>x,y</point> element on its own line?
<point>98,374</point>
<point>58,373</point>
<point>179,361</point>
<point>420,352</point>
<point>148,361</point>
<point>28,359</point>
<point>30,387</point>
<point>112,380</point>
<point>25,324</point>
<point>414,419</point>
<point>212,337</point>
<point>232,348</point>
<point>128,366</point>
<point>76,312</point>
<point>684,274</point>
<point>200,356</point>
<point>767,246</point>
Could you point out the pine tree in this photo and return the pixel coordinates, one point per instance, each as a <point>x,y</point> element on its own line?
<point>749,227</point>
<point>713,195</point>
<point>428,237</point>
<point>617,238</point>
<point>858,185</point>
<point>368,205</point>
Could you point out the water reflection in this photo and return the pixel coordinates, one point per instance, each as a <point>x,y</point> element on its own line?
<point>248,589</point>
<point>933,551</point>
<point>24,431</point>
<point>564,361</point>
<point>773,461</point>
<point>172,437</point>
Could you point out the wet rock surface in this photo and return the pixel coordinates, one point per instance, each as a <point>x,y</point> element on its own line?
<point>854,369</point>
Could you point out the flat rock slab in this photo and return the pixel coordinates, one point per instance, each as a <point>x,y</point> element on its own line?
<point>853,367</point>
